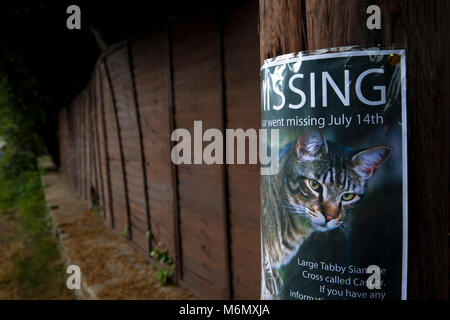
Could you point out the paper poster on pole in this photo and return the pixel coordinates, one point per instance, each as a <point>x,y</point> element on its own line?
<point>334,215</point>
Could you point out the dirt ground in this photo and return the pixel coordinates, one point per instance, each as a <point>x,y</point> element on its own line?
<point>111,268</point>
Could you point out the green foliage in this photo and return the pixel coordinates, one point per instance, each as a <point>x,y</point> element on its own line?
<point>164,274</point>
<point>23,145</point>
<point>124,232</point>
<point>19,170</point>
<point>164,258</point>
<point>95,206</point>
<point>21,190</point>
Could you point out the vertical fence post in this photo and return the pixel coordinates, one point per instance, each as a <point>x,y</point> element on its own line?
<point>105,146</point>
<point>168,62</point>
<point>141,142</point>
<point>119,137</point>
<point>223,102</point>
<point>96,144</point>
<point>93,157</point>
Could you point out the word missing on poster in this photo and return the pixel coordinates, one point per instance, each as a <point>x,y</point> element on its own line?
<point>327,80</point>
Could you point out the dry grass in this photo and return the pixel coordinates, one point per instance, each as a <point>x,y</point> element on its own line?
<point>22,264</point>
<point>12,251</point>
<point>108,261</point>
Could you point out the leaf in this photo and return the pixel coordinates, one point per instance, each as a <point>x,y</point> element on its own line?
<point>162,276</point>
<point>172,267</point>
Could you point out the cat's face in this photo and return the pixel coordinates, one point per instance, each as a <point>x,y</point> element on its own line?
<point>325,182</point>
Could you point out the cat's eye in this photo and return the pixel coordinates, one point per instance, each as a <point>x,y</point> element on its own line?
<point>348,196</point>
<point>314,185</point>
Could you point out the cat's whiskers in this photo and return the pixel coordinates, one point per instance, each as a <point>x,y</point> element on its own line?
<point>311,213</point>
<point>294,213</point>
<point>292,210</point>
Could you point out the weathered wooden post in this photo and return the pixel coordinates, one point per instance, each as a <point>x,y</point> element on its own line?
<point>422,28</point>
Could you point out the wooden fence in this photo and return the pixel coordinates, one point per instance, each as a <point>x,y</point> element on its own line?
<point>115,145</point>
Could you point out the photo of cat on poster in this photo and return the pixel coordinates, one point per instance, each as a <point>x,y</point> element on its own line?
<point>320,185</point>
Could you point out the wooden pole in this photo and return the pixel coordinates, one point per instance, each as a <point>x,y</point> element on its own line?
<point>422,28</point>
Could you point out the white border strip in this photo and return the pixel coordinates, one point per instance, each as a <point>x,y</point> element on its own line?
<point>405,177</point>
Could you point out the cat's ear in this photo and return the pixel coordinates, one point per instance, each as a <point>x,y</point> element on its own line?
<point>311,144</point>
<point>366,162</point>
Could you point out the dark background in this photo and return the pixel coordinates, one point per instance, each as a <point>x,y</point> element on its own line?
<point>44,65</point>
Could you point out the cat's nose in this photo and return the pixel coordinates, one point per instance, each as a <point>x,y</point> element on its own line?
<point>331,211</point>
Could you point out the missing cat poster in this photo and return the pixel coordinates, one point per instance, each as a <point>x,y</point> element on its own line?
<point>334,215</point>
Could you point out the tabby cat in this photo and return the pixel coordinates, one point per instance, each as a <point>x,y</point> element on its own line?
<point>318,184</point>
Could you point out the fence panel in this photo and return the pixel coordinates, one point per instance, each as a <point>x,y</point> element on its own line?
<point>241,74</point>
<point>115,137</point>
<point>202,204</point>
<point>152,92</point>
